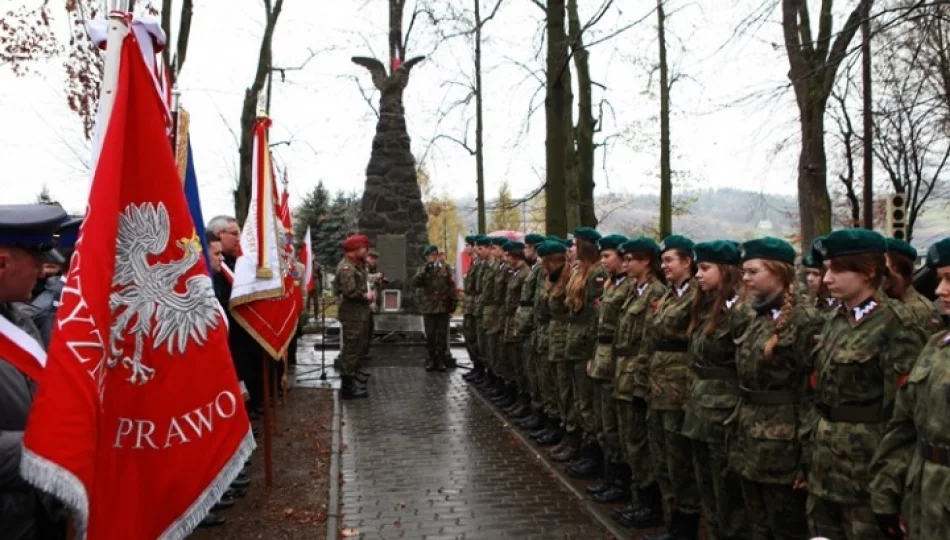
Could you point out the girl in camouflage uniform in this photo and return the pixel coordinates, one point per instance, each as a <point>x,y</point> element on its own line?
<point>815,290</point>
<point>583,296</point>
<point>910,473</point>
<point>555,263</point>
<point>866,349</point>
<point>665,341</point>
<point>641,261</point>
<point>901,257</point>
<point>772,362</point>
<point>716,319</point>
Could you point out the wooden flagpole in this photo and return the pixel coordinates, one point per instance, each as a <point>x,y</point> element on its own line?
<point>268,466</point>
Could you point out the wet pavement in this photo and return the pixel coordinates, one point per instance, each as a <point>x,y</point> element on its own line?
<point>425,458</point>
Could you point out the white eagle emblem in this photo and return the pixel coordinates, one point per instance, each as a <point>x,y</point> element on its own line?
<point>144,301</point>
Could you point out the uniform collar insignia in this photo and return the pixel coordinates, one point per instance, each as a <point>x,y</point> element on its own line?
<point>680,291</point>
<point>731,302</point>
<point>831,302</point>
<point>866,308</point>
<point>945,340</point>
<point>776,313</point>
<point>642,288</point>
<point>619,279</point>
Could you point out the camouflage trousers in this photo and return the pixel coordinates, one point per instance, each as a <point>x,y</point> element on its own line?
<point>841,521</point>
<point>632,428</point>
<point>352,341</point>
<point>530,364</point>
<point>547,386</point>
<point>470,333</point>
<point>564,373</point>
<point>584,401</point>
<point>368,339</point>
<point>484,346</point>
<point>605,418</point>
<point>774,511</point>
<point>719,491</point>
<point>514,367</point>
<point>673,462</point>
<point>437,337</point>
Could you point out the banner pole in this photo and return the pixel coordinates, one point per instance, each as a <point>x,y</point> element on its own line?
<point>268,472</point>
<point>275,388</point>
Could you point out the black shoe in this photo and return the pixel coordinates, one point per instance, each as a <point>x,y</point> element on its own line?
<point>362,373</point>
<point>236,493</point>
<point>212,520</point>
<point>550,438</point>
<point>567,452</point>
<point>361,378</point>
<point>350,389</point>
<point>479,378</point>
<point>648,511</point>
<point>532,422</point>
<point>430,365</point>
<point>599,487</point>
<point>522,412</point>
<point>241,482</point>
<point>507,401</point>
<point>612,494</point>
<point>440,367</point>
<point>629,509</point>
<point>223,504</point>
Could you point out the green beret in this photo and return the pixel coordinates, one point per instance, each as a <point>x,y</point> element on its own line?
<point>588,234</point>
<point>550,247</point>
<point>554,238</point>
<point>533,239</point>
<point>641,243</point>
<point>939,254</point>
<point>769,248</point>
<point>513,246</point>
<point>611,241</point>
<point>429,250</point>
<point>470,239</point>
<point>482,240</point>
<point>902,247</point>
<point>808,261</point>
<point>498,241</point>
<point>850,242</point>
<point>717,251</point>
<point>676,241</point>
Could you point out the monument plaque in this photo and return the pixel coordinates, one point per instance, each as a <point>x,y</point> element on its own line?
<point>392,256</point>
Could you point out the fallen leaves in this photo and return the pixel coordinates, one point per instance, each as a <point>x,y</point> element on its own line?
<point>349,533</point>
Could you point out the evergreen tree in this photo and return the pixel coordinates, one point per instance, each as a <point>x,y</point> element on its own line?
<point>312,212</point>
<point>506,216</point>
<point>340,220</point>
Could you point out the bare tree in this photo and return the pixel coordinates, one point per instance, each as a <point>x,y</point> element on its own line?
<point>556,111</point>
<point>666,173</point>
<point>847,138</point>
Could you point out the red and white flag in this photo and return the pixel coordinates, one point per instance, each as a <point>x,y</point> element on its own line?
<point>21,349</point>
<point>265,300</point>
<point>138,424</point>
<point>308,262</point>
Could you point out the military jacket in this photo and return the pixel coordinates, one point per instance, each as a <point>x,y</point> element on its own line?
<point>542,317</point>
<point>632,376</point>
<point>618,289</point>
<point>766,430</point>
<point>524,316</point>
<point>582,323</point>
<point>715,393</point>
<point>350,285</point>
<point>666,341</point>
<point>498,285</point>
<point>925,313</point>
<point>470,289</point>
<point>559,313</point>
<point>514,287</point>
<point>435,283</point>
<point>862,354</point>
<point>910,472</point>
<point>486,292</point>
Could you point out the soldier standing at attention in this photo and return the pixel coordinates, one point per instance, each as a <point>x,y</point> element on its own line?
<point>486,310</point>
<point>513,338</point>
<point>26,242</point>
<point>584,290</point>
<point>494,299</point>
<point>773,362</point>
<point>355,301</point>
<point>716,320</point>
<point>469,319</point>
<point>900,285</point>
<point>435,283</point>
<point>374,280</point>
<point>816,291</point>
<point>615,485</point>
<point>865,351</point>
<point>548,309</point>
<point>910,472</point>
<point>528,417</point>
<point>641,261</point>
<point>670,376</point>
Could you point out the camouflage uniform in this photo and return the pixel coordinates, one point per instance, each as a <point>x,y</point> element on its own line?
<point>580,344</point>
<point>488,312</point>
<point>470,313</point>
<point>861,356</point>
<point>714,396</point>
<point>525,326</point>
<point>496,323</point>
<point>351,286</point>
<point>631,381</point>
<point>547,371</point>
<point>764,431</point>
<point>514,338</point>
<point>604,366</point>
<point>436,300</point>
<point>670,381</point>
<point>910,472</point>
<point>564,370</point>
<point>925,313</point>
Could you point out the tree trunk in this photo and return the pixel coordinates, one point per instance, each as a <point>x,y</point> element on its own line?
<point>479,122</point>
<point>573,199</point>
<point>586,124</point>
<point>666,173</point>
<point>814,204</point>
<point>868,126</point>
<point>556,129</point>
<point>242,195</point>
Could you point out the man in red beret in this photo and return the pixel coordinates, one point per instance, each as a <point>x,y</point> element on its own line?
<point>355,297</point>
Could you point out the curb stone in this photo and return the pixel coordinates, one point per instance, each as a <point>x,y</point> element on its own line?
<point>333,503</point>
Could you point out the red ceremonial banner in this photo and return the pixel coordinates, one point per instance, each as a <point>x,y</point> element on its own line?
<point>138,424</point>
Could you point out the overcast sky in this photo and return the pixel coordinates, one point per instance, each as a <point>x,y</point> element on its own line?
<point>330,127</point>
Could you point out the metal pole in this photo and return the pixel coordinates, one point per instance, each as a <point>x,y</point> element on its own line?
<point>323,342</point>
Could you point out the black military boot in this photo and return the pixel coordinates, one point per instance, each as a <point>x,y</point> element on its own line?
<point>684,527</point>
<point>604,484</point>
<point>524,409</point>
<point>487,380</point>
<point>568,450</point>
<point>546,428</point>
<point>439,365</point>
<point>619,488</point>
<point>647,512</point>
<point>350,389</point>
<point>510,397</point>
<point>498,389</point>
<point>551,436</point>
<point>361,376</point>
<point>533,421</point>
<point>430,363</point>
<point>589,468</point>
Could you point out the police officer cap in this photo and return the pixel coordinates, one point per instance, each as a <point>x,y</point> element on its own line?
<point>850,242</point>
<point>717,251</point>
<point>899,246</point>
<point>939,254</point>
<point>551,247</point>
<point>676,241</point>
<point>611,241</point>
<point>429,250</point>
<point>482,240</point>
<point>31,227</point>
<point>769,248</point>
<point>68,233</point>
<point>588,234</point>
<point>640,244</point>
<point>499,241</point>
<point>533,239</point>
<point>513,246</point>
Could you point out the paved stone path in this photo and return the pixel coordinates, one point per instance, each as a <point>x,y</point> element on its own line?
<point>425,459</point>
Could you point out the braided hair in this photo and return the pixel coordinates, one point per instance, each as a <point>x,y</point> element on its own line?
<point>786,274</point>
